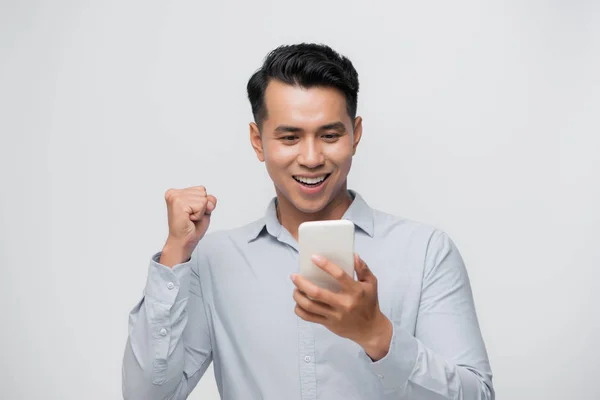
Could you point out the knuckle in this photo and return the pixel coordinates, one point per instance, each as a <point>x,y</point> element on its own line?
<point>339,274</point>
<point>347,305</point>
<point>169,194</point>
<point>317,292</point>
<point>308,306</point>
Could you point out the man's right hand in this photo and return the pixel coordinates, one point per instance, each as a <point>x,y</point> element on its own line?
<point>189,213</point>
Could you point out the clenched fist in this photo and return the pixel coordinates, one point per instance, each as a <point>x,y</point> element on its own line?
<point>189,216</point>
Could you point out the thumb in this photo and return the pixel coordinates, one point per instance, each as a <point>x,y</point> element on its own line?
<point>199,213</point>
<point>363,273</point>
<point>211,205</point>
<point>206,210</point>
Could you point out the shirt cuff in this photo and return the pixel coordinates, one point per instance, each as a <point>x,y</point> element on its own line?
<point>168,285</point>
<point>395,368</point>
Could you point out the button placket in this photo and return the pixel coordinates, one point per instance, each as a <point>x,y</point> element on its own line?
<point>306,352</point>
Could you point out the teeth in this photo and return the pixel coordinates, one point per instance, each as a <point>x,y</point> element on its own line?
<point>311,181</point>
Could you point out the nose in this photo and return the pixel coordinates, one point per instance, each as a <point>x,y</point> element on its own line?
<point>311,155</point>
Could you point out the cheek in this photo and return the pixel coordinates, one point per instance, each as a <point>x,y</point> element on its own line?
<point>340,155</point>
<point>277,155</point>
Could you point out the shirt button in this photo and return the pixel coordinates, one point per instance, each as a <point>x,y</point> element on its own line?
<point>163,332</point>
<point>170,285</point>
<point>307,359</point>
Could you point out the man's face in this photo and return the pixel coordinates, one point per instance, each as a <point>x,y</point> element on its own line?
<point>307,143</point>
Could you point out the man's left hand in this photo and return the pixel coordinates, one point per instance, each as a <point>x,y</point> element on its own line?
<point>352,313</point>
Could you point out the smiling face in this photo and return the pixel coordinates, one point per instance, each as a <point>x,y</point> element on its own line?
<point>307,142</point>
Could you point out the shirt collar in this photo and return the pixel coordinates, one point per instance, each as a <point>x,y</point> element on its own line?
<point>359,212</point>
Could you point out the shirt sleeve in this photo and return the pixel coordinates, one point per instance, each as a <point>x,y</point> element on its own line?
<point>446,358</point>
<point>162,360</point>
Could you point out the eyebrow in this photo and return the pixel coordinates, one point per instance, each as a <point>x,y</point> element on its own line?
<point>293,129</point>
<point>287,129</point>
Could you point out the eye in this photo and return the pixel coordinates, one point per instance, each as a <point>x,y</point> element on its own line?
<point>288,139</point>
<point>331,136</point>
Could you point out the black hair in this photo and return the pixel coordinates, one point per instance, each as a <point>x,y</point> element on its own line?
<point>306,65</point>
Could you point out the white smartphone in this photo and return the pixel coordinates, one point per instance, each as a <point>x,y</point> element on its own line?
<point>332,239</point>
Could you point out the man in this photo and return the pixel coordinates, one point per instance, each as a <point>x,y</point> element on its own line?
<point>406,328</point>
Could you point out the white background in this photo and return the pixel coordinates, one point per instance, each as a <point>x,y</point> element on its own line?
<point>480,118</point>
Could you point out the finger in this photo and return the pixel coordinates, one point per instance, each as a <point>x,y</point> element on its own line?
<point>308,316</point>
<point>363,273</point>
<point>315,292</point>
<point>212,204</point>
<point>334,270</point>
<point>199,189</point>
<point>312,306</point>
<point>197,209</point>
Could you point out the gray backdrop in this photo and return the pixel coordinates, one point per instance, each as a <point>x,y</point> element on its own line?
<point>480,118</point>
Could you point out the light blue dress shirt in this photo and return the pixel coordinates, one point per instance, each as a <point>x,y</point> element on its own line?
<point>232,305</point>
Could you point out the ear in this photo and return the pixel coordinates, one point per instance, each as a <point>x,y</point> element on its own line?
<point>256,141</point>
<point>357,134</point>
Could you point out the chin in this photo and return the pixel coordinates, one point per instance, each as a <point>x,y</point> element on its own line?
<point>308,206</point>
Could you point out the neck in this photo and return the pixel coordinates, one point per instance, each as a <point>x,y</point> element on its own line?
<point>291,218</point>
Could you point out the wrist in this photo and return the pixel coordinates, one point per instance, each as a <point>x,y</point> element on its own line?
<point>173,254</point>
<point>377,343</point>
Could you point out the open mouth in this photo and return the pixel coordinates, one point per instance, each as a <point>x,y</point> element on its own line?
<point>311,182</point>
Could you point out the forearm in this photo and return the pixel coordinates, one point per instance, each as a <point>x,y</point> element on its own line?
<point>154,354</point>
<point>412,370</point>
<point>435,377</point>
<point>151,371</point>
